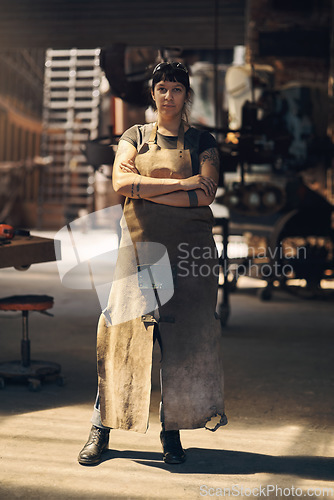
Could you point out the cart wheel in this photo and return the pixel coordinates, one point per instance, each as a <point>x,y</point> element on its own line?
<point>265,294</point>
<point>34,384</point>
<point>2,383</point>
<point>60,381</point>
<point>224,313</point>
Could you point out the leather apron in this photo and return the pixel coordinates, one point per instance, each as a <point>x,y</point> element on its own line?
<point>189,330</point>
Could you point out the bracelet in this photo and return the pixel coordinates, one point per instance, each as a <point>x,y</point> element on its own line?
<point>193,200</point>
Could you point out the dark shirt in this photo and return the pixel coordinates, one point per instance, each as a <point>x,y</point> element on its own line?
<point>195,140</point>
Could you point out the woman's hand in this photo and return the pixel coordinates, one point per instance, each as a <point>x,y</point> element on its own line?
<point>128,166</point>
<point>207,184</point>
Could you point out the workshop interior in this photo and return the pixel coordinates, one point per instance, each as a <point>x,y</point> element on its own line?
<point>74,75</point>
<point>267,100</point>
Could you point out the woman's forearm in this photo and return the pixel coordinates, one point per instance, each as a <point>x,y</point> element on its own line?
<point>139,186</point>
<point>181,199</point>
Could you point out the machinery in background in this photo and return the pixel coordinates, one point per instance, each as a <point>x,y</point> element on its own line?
<point>275,137</point>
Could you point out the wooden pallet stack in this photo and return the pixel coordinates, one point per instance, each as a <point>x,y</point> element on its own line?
<point>70,117</point>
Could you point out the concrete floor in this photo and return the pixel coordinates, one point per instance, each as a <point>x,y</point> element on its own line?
<point>279,400</point>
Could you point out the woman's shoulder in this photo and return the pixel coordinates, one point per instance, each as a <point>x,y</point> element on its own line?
<point>198,132</point>
<point>203,138</point>
<point>137,133</point>
<point>142,127</point>
<point>138,128</point>
<point>192,133</point>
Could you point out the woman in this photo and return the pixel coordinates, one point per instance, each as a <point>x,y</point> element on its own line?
<point>168,172</point>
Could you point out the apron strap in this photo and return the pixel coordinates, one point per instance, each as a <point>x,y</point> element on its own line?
<point>180,138</point>
<point>153,136</point>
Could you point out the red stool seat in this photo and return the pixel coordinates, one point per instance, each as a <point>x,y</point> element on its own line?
<point>26,303</point>
<point>26,369</point>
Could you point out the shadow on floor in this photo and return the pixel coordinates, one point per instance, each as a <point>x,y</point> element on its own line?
<point>207,461</point>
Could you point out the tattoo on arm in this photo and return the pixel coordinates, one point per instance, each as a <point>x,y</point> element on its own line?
<point>132,188</point>
<point>138,183</point>
<point>212,156</point>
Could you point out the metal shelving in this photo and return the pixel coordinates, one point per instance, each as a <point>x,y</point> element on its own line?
<point>70,117</point>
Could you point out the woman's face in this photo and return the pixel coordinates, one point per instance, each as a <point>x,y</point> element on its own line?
<point>169,98</point>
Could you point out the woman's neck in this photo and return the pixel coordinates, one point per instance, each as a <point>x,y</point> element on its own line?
<point>169,127</point>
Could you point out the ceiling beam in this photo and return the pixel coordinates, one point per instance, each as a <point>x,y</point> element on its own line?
<point>97,23</point>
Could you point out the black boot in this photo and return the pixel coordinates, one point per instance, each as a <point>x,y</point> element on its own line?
<point>173,453</point>
<point>97,443</point>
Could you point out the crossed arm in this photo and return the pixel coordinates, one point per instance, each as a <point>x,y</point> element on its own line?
<point>128,182</point>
